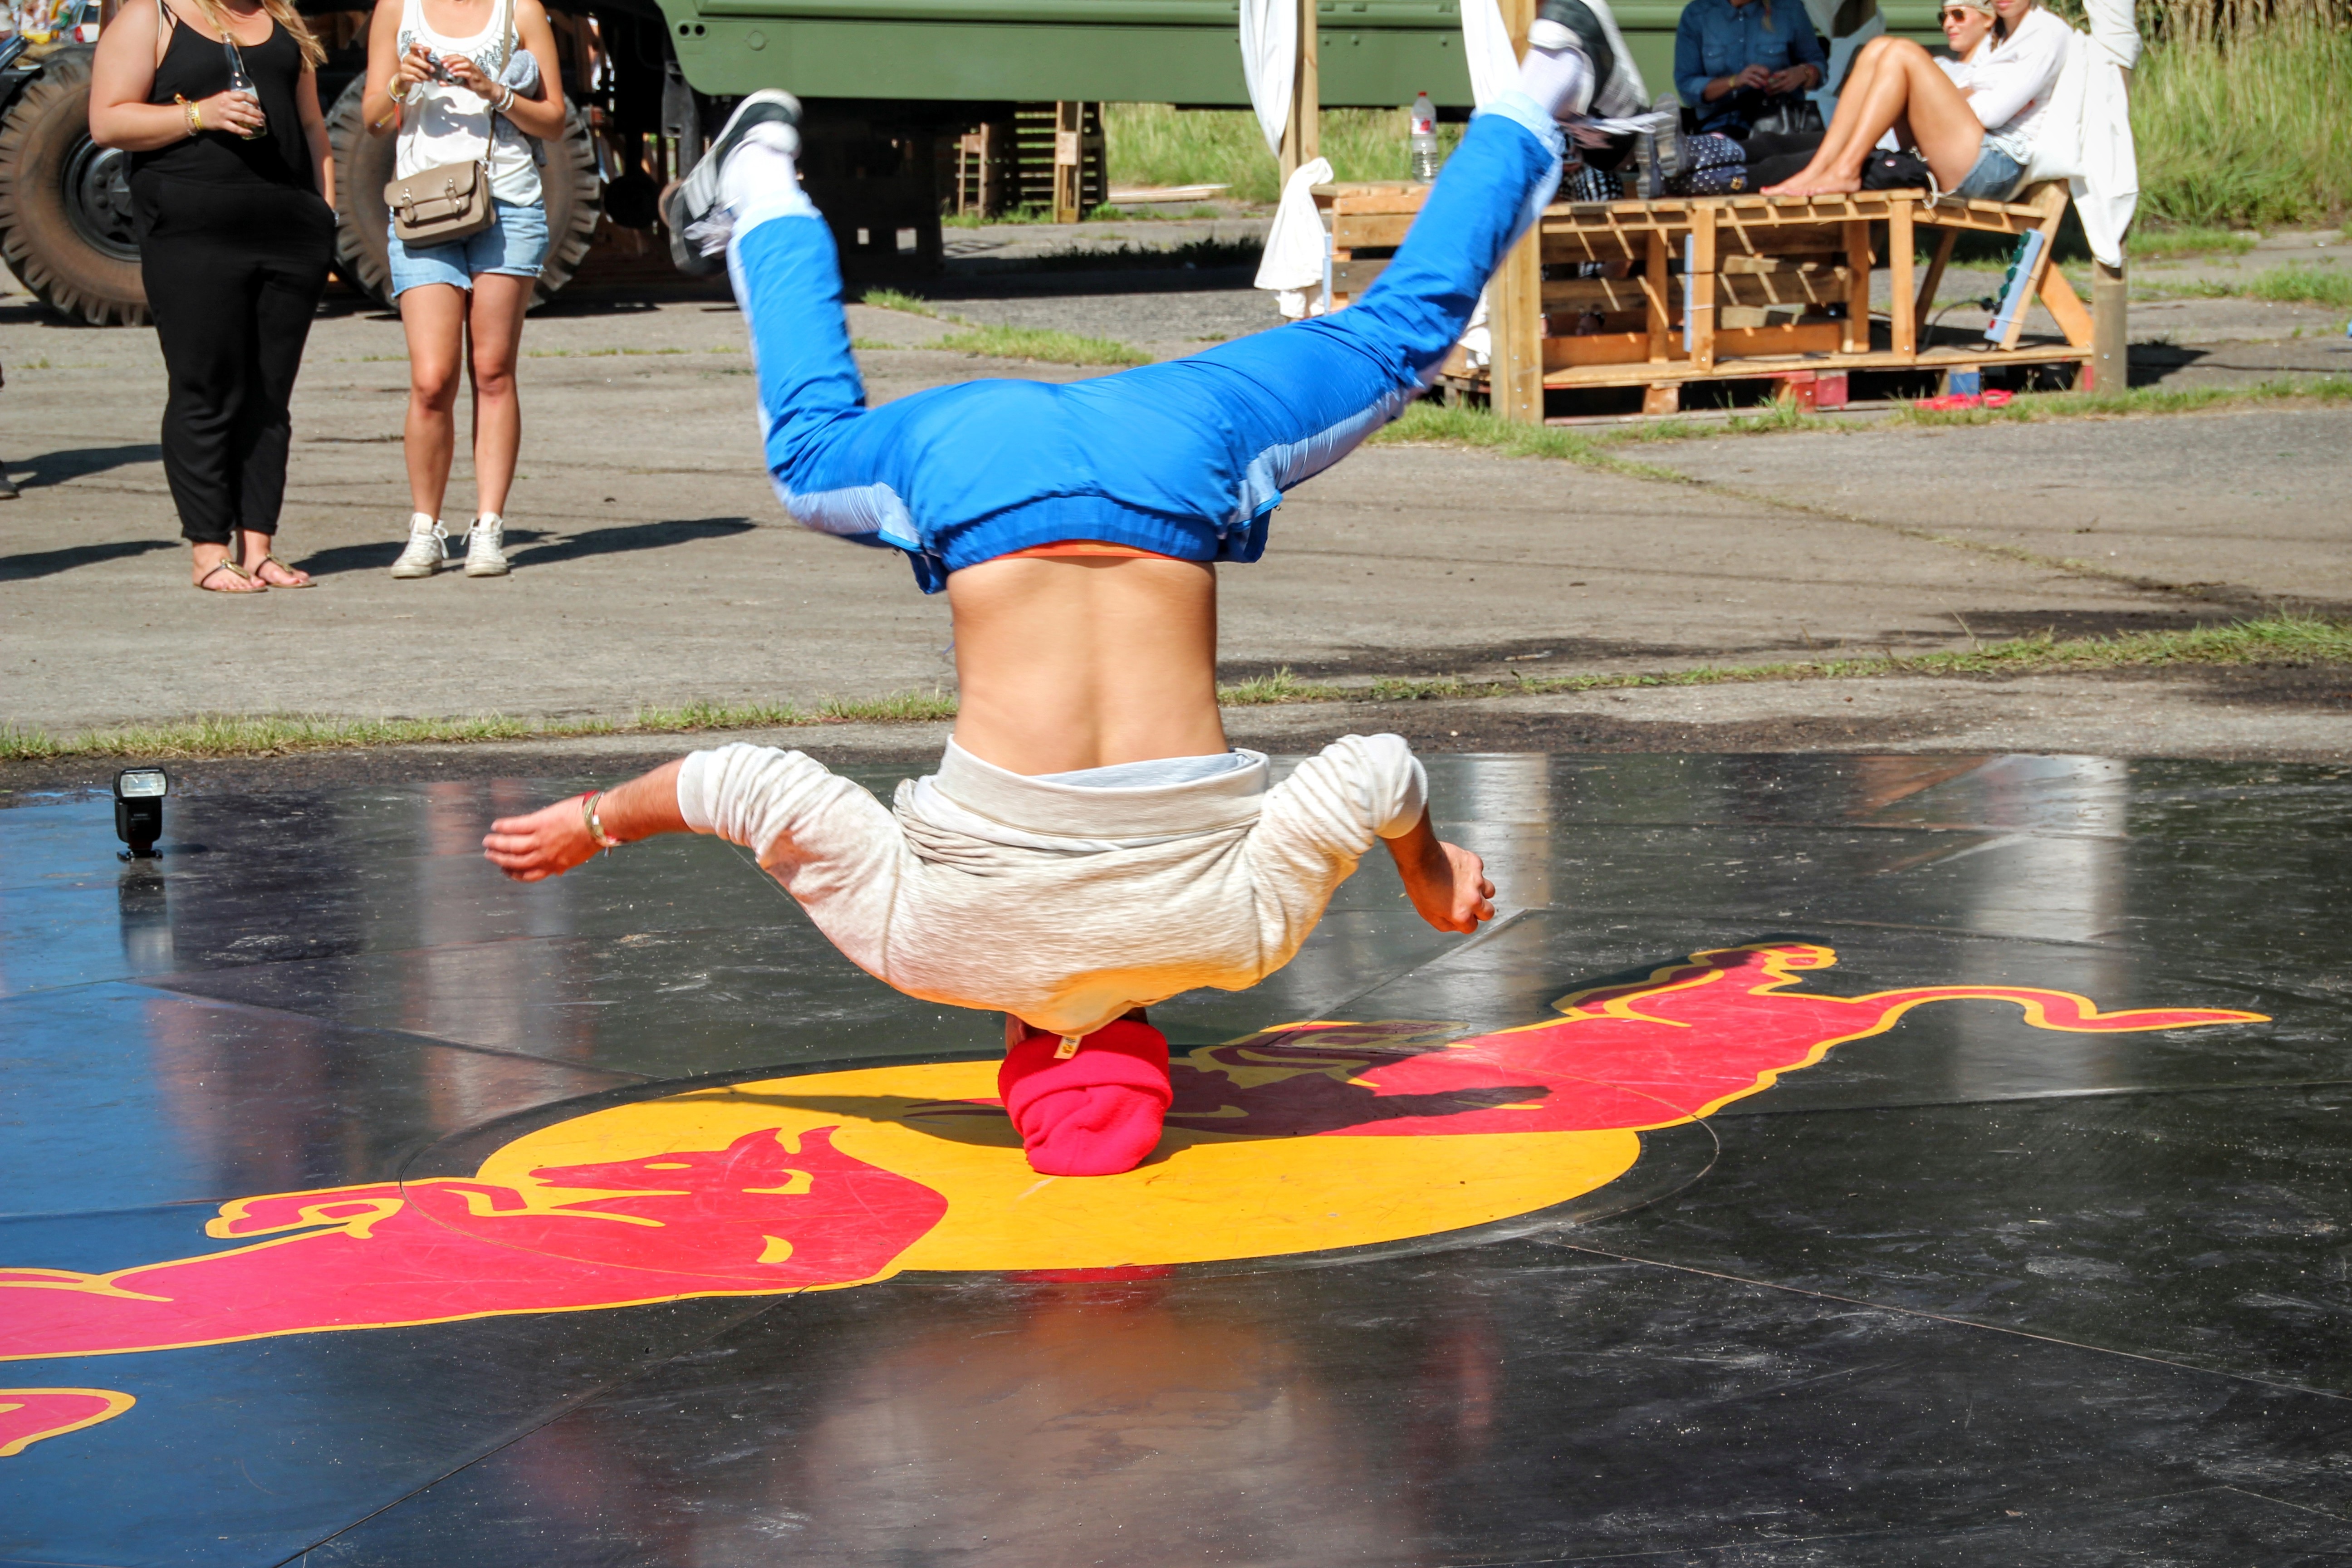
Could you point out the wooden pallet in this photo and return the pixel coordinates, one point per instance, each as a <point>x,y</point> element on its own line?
<point>1717,288</point>
<point>1048,156</point>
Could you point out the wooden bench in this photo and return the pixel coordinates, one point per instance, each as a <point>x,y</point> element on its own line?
<point>1749,299</point>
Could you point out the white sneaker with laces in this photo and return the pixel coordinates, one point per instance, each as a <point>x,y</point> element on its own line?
<point>698,215</point>
<point>428,547</point>
<point>486,554</point>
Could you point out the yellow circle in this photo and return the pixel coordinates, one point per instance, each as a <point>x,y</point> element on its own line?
<point>1202,1197</point>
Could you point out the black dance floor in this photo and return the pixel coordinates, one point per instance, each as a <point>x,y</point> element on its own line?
<point>1829,1159</point>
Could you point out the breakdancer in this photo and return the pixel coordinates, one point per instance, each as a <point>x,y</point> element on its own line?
<point>1090,844</point>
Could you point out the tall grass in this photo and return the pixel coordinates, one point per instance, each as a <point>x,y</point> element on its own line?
<point>2247,127</point>
<point>1157,144</point>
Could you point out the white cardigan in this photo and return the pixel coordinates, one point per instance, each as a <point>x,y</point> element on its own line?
<point>1062,904</point>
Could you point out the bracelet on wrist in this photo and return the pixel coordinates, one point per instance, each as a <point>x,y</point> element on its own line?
<point>394,91</point>
<point>595,827</point>
<point>193,111</point>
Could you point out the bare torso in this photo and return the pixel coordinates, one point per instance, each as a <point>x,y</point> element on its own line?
<point>1086,662</point>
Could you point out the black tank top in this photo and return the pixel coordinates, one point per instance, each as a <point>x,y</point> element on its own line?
<point>196,67</point>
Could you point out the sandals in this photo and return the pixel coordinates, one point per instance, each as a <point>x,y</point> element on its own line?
<point>291,570</point>
<point>226,564</point>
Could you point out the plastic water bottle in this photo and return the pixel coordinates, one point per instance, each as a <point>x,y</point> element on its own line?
<point>1424,139</point>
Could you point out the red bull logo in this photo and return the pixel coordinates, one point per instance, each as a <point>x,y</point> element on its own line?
<point>830,1180</point>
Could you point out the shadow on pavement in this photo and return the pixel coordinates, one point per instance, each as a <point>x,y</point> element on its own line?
<point>633,536</point>
<point>48,562</point>
<point>80,462</point>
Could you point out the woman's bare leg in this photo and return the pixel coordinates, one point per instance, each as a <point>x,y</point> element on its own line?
<point>433,315</point>
<point>1850,101</point>
<point>1906,87</point>
<point>495,325</point>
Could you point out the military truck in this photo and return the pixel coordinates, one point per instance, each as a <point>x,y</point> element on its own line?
<point>888,85</point>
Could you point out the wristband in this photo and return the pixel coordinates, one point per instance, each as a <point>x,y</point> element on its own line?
<point>595,827</point>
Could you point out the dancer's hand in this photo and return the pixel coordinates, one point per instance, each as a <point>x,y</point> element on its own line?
<point>1751,76</point>
<point>548,843</point>
<point>1446,882</point>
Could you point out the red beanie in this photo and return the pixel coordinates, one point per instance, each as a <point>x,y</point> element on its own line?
<point>1095,1113</point>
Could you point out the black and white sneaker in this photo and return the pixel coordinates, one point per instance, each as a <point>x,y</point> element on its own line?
<point>1570,23</point>
<point>698,222</point>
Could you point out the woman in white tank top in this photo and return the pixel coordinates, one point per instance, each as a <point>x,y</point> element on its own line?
<point>464,80</point>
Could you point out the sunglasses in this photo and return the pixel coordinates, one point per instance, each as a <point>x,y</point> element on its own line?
<point>1957,14</point>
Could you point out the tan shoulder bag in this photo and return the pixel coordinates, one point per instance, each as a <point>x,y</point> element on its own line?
<point>449,201</point>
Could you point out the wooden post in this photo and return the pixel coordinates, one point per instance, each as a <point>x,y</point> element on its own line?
<point>1857,288</point>
<point>1700,308</point>
<point>1069,127</point>
<point>1514,295</point>
<point>1926,306</point>
<point>2110,366</point>
<point>1302,134</point>
<point>1903,316</point>
<point>1654,298</point>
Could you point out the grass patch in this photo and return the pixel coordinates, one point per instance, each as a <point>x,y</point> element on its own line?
<point>1049,346</point>
<point>2251,127</point>
<point>2154,242</point>
<point>2139,400</point>
<point>2284,639</point>
<point>892,299</point>
<point>1202,254</point>
<point>1157,144</point>
<point>2294,285</point>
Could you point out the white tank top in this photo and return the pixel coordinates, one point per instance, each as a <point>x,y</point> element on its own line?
<point>443,123</point>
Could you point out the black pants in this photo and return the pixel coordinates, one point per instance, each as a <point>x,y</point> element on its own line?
<point>233,275</point>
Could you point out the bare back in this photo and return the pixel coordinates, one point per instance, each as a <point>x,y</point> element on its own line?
<point>1069,663</point>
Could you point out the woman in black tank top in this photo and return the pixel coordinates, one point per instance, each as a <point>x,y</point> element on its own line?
<point>229,192</point>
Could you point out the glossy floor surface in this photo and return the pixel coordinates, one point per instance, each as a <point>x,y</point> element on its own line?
<point>2046,1259</point>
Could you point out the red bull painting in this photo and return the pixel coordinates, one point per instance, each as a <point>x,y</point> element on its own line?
<point>1307,1137</point>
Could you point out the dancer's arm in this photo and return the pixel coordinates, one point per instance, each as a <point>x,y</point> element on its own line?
<point>554,838</point>
<point>1446,882</point>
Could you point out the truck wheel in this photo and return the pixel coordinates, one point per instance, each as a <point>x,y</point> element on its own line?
<point>364,165</point>
<point>64,202</point>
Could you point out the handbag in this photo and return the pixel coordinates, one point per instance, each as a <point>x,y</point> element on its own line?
<point>1884,170</point>
<point>447,201</point>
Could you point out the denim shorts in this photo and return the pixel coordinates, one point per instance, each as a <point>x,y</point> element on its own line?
<point>1993,177</point>
<point>515,244</point>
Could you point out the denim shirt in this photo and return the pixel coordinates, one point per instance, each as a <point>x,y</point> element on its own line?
<point>1716,38</point>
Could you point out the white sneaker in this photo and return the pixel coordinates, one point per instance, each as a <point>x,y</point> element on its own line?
<point>428,547</point>
<point>693,210</point>
<point>485,554</point>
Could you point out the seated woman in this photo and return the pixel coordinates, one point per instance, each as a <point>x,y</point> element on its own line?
<point>1738,60</point>
<point>1974,128</point>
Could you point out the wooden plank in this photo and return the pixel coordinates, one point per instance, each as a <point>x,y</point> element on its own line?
<point>1352,278</point>
<point>1354,201</point>
<point>1780,264</point>
<point>1655,296</point>
<point>1727,316</point>
<point>1562,248</point>
<point>1586,323</point>
<point>1661,397</point>
<point>1515,296</point>
<point>1857,298</point>
<point>2051,197</point>
<point>1371,231</point>
<point>1775,241</point>
<point>1902,314</point>
<point>1935,278</point>
<point>1599,293</point>
<point>1699,269</point>
<point>2065,308</point>
<point>1600,349</point>
<point>1829,286</point>
<point>1827,359</point>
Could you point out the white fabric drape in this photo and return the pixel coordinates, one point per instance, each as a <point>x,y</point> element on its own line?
<point>1296,245</point>
<point>2086,136</point>
<point>1487,46</point>
<point>1269,62</point>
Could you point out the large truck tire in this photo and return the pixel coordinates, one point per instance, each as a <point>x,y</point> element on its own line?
<point>364,164</point>
<point>64,202</point>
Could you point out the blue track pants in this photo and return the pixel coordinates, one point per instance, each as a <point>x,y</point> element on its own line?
<point>1186,459</point>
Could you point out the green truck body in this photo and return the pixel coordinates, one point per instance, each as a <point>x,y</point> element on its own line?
<point>1369,52</point>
